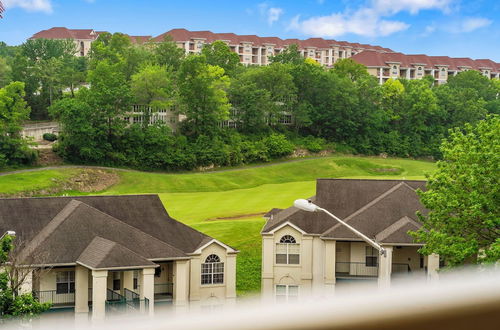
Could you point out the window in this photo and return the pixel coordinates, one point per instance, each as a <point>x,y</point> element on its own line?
<point>158,271</point>
<point>65,282</point>
<point>286,293</point>
<point>212,271</point>
<point>371,257</point>
<point>116,281</point>
<point>288,251</point>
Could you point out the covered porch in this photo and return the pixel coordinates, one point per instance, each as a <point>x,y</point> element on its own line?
<point>358,260</point>
<point>112,290</point>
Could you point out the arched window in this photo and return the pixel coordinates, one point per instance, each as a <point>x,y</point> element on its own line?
<point>212,270</point>
<point>288,239</point>
<point>288,251</point>
<point>394,67</point>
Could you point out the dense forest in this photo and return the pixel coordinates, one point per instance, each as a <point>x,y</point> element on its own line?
<point>342,109</point>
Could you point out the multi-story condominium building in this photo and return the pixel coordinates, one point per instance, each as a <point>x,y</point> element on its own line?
<point>397,65</point>
<point>252,50</point>
<point>255,50</point>
<point>83,38</point>
<point>114,252</point>
<point>310,253</point>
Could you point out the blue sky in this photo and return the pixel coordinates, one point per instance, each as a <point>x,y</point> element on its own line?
<point>456,28</point>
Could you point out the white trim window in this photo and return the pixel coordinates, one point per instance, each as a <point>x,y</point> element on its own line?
<point>286,293</point>
<point>212,270</point>
<point>287,251</point>
<point>65,282</point>
<point>371,258</point>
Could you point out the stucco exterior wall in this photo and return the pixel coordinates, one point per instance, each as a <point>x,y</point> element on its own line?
<point>213,293</point>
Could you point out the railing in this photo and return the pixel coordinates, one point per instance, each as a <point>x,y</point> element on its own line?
<point>54,297</point>
<point>360,269</point>
<point>164,290</point>
<point>355,269</point>
<point>113,296</point>
<point>400,268</point>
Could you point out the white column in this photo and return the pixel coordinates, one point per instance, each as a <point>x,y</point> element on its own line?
<point>81,289</point>
<point>181,282</point>
<point>128,280</point>
<point>230,276</point>
<point>330,255</point>
<point>433,267</point>
<point>408,71</point>
<point>99,287</point>
<point>147,288</point>
<point>385,268</point>
<point>267,284</point>
<point>380,79</point>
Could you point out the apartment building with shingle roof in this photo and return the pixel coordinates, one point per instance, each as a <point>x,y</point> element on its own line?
<point>386,66</point>
<point>310,252</point>
<point>107,251</point>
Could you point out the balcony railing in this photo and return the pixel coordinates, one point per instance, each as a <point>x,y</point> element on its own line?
<point>164,291</point>
<point>355,269</point>
<point>360,269</point>
<point>57,299</point>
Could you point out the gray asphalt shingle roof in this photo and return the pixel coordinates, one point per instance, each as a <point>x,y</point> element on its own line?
<point>57,230</point>
<point>382,209</point>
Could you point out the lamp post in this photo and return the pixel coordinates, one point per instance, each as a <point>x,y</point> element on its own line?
<point>309,206</point>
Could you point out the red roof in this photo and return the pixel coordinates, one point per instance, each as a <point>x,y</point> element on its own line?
<point>183,35</point>
<point>65,33</point>
<point>378,59</point>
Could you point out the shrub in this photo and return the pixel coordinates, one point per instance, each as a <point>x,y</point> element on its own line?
<point>49,137</point>
<point>278,145</point>
<point>312,143</point>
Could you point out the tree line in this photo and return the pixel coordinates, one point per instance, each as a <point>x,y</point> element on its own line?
<point>342,108</point>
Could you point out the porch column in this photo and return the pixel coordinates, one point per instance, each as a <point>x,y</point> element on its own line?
<point>385,268</point>
<point>267,286</point>
<point>330,251</point>
<point>231,276</point>
<point>81,289</point>
<point>128,280</point>
<point>147,288</point>
<point>433,266</point>
<point>380,73</point>
<point>181,282</point>
<point>99,287</point>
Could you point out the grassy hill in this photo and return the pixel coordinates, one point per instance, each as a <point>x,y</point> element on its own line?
<point>229,204</point>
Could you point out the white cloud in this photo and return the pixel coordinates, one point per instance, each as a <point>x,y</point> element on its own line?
<point>30,5</point>
<point>468,24</point>
<point>272,14</point>
<point>365,22</point>
<point>411,6</point>
<point>370,20</point>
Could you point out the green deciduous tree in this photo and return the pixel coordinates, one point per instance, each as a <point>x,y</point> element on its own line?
<point>167,53</point>
<point>291,55</point>
<point>153,85</point>
<point>218,53</point>
<point>5,72</point>
<point>11,302</point>
<point>463,195</point>
<point>13,110</point>
<point>202,91</point>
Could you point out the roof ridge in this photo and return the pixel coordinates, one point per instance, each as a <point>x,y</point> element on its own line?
<point>114,245</point>
<point>48,229</point>
<point>133,228</point>
<point>366,206</point>
<point>102,256</point>
<point>383,234</point>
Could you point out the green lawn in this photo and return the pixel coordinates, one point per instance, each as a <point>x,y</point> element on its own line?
<point>31,181</point>
<point>302,170</point>
<point>198,199</point>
